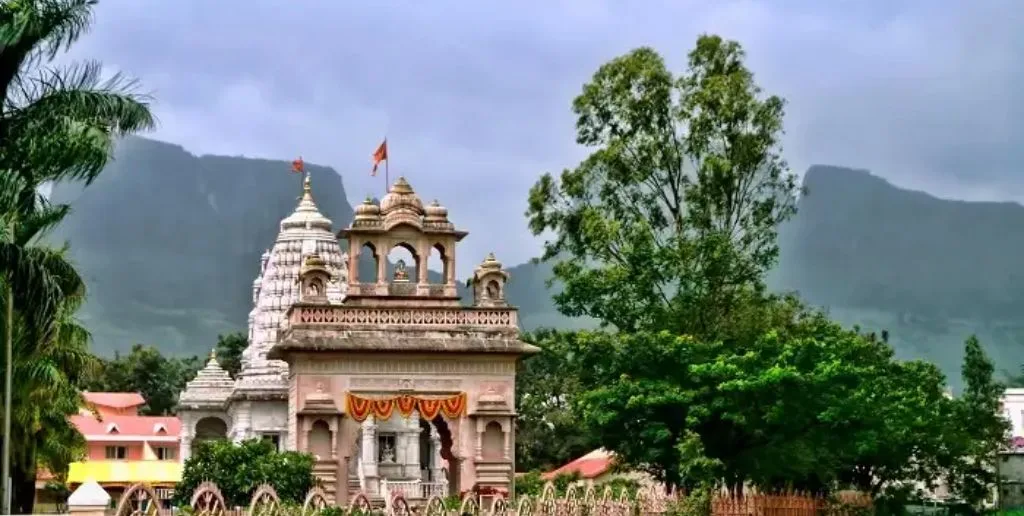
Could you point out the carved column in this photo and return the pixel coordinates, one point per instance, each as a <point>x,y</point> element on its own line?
<point>369,459</point>
<point>382,266</point>
<point>435,455</point>
<point>185,448</point>
<point>242,422</point>
<point>413,450</point>
<point>508,440</point>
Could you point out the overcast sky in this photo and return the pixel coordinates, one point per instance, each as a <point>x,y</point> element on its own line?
<point>474,97</point>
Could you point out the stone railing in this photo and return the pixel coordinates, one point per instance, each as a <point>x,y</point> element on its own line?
<point>432,489</point>
<point>412,489</point>
<point>354,317</point>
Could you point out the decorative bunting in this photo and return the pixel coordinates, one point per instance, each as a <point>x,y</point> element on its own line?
<point>429,409</point>
<point>454,406</point>
<point>406,404</point>
<point>359,408</point>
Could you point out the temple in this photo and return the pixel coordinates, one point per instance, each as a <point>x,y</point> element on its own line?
<point>393,384</point>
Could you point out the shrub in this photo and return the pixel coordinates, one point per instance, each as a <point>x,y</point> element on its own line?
<point>239,469</point>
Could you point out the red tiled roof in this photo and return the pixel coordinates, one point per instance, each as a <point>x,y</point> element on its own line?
<point>128,426</point>
<point>118,400</point>
<point>591,465</point>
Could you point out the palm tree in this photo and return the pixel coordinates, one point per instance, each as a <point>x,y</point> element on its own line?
<point>56,124</point>
<point>49,371</point>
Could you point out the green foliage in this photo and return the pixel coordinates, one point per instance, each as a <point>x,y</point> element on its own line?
<point>529,484</point>
<point>145,370</point>
<point>981,430</point>
<point>239,469</point>
<point>229,351</point>
<point>666,234</point>
<point>671,221</point>
<point>57,123</point>
<point>547,432</point>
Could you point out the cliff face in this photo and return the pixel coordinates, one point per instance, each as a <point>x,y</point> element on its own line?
<point>170,243</point>
<point>931,271</point>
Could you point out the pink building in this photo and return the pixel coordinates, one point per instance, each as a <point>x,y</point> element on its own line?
<point>123,447</point>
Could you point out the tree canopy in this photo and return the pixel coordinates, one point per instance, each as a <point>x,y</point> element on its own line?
<point>665,234</point>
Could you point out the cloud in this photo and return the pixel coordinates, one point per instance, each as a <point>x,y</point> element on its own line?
<point>474,96</point>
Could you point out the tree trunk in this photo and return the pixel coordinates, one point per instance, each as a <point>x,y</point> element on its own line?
<point>23,489</point>
<point>5,460</point>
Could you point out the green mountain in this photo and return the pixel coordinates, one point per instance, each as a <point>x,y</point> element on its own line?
<point>170,242</point>
<point>930,271</point>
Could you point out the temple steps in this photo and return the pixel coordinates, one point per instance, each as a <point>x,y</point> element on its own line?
<point>327,473</point>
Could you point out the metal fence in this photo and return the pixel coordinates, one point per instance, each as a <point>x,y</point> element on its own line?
<point>207,500</point>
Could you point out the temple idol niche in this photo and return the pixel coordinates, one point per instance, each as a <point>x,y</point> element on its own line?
<point>390,382</point>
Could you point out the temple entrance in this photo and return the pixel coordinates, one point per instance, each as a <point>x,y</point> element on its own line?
<point>399,450</point>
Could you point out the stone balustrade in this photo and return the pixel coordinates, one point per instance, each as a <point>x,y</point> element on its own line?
<point>426,318</point>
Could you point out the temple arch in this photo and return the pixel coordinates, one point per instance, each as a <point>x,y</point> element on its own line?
<point>210,428</point>
<point>404,261</point>
<point>320,440</point>
<point>438,262</point>
<point>493,441</point>
<point>367,263</point>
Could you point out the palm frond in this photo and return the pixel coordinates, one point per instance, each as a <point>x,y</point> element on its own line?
<point>36,30</point>
<point>66,121</point>
<point>43,219</point>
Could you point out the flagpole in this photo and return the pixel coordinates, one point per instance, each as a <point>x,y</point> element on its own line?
<point>387,166</point>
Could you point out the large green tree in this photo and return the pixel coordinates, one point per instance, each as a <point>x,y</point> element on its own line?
<point>980,424</point>
<point>159,379</point>
<point>665,233</point>
<point>548,433</point>
<point>670,223</point>
<point>56,123</point>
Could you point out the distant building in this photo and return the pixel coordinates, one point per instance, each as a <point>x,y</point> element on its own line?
<point>122,447</point>
<point>597,467</point>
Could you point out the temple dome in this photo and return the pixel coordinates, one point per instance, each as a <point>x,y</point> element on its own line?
<point>401,197</point>
<point>367,213</point>
<point>436,212</point>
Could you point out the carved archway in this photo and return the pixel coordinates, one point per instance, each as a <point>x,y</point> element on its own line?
<point>447,446</point>
<point>209,428</point>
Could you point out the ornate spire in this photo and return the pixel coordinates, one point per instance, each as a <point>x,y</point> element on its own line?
<point>306,214</point>
<point>211,386</point>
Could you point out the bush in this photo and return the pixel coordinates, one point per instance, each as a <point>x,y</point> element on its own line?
<point>239,469</point>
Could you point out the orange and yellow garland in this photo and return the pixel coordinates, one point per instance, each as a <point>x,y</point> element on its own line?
<point>359,408</point>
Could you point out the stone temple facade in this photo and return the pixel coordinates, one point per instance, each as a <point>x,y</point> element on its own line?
<point>393,384</point>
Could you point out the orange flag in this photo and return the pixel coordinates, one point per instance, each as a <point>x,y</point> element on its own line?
<point>381,154</point>
<point>298,166</point>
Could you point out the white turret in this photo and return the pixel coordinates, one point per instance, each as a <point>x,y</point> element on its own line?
<point>306,231</point>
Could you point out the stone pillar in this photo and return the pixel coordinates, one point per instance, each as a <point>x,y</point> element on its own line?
<point>413,450</point>
<point>186,448</point>
<point>436,462</point>
<point>509,443</point>
<point>241,422</point>
<point>382,267</point>
<point>369,459</point>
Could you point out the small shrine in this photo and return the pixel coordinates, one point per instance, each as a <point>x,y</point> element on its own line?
<point>391,381</point>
